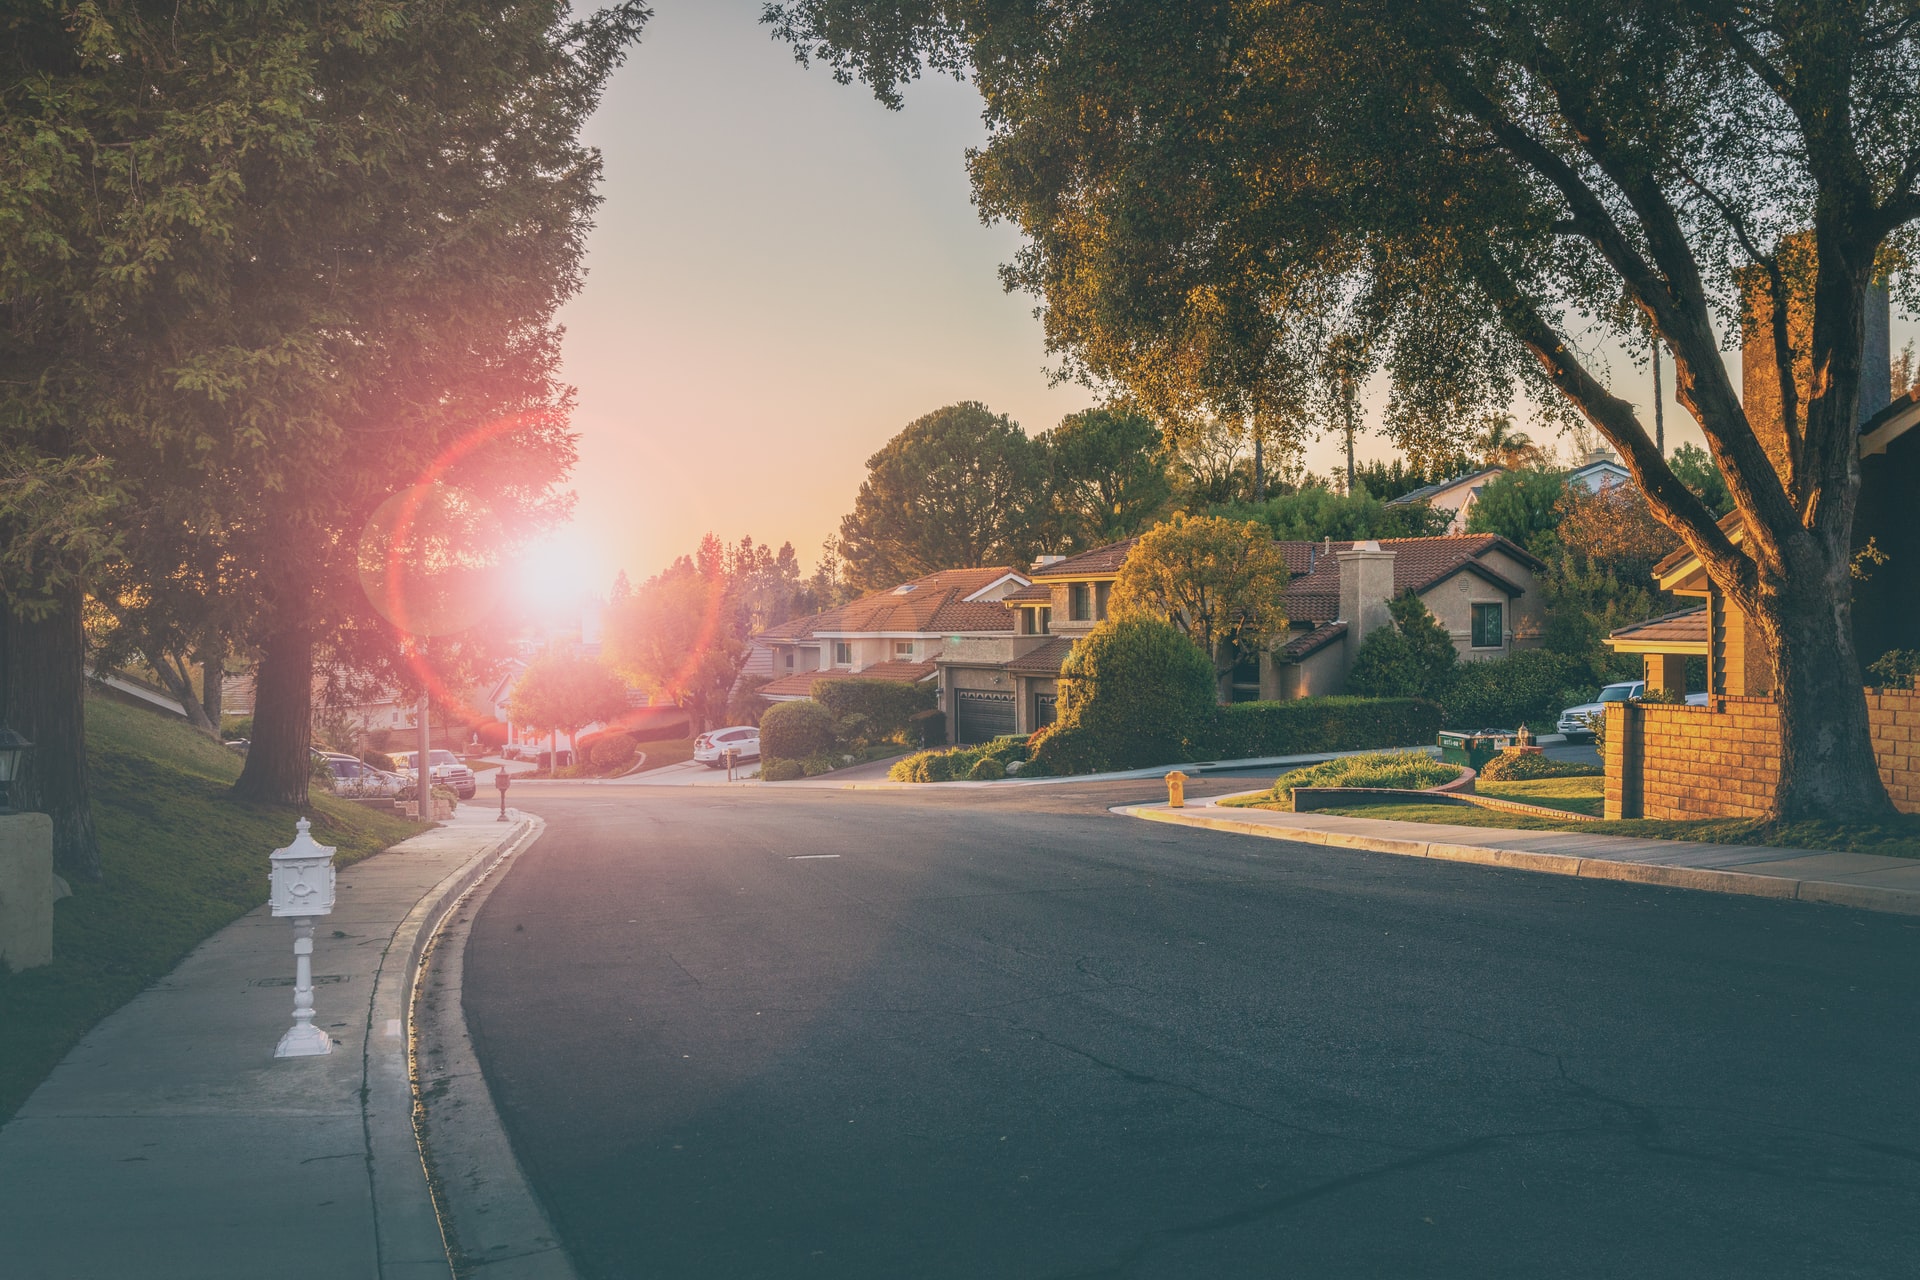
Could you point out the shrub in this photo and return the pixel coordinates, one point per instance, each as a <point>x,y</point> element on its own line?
<point>1311,725</point>
<point>1896,668</point>
<point>378,760</point>
<point>822,762</point>
<point>959,762</point>
<point>614,750</point>
<point>1133,692</point>
<point>241,728</point>
<point>492,734</point>
<point>1527,687</point>
<point>776,770</point>
<point>987,769</point>
<point>1414,770</point>
<point>1525,766</point>
<point>1414,658</point>
<point>796,730</point>
<point>885,706</point>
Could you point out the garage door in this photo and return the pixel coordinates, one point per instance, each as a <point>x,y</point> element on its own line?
<point>982,715</point>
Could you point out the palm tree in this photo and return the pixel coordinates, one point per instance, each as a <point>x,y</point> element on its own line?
<point>1501,445</point>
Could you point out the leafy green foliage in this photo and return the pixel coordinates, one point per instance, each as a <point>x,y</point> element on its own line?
<point>1528,686</point>
<point>1307,726</point>
<point>1696,469</point>
<point>796,730</point>
<point>1413,770</point>
<point>1526,766</point>
<point>959,488</point>
<point>870,711</point>
<point>1315,513</point>
<point>1106,477</point>
<point>1520,506</point>
<point>1216,582</point>
<point>960,762</point>
<point>1896,668</point>
<point>1385,480</point>
<point>986,769</point>
<point>1414,658</point>
<point>614,751</point>
<point>773,769</point>
<point>1139,693</point>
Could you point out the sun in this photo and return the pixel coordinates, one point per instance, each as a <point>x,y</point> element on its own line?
<point>559,573</point>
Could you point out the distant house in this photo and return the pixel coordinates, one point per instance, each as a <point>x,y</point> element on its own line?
<point>1600,471</point>
<point>889,635</point>
<point>1456,495</point>
<point>1479,587</point>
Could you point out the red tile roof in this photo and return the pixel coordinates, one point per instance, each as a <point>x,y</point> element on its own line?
<point>800,683</point>
<point>1097,563</point>
<point>1418,564</point>
<point>936,604</point>
<point>1308,643</point>
<point>1032,593</point>
<point>1044,660</point>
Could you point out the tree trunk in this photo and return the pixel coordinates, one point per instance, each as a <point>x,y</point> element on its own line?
<point>46,702</point>
<point>1827,765</point>
<point>213,674</point>
<point>177,676</point>
<point>278,760</point>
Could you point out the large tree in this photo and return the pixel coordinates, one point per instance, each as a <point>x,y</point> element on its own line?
<point>1490,185</point>
<point>1106,476</point>
<point>959,488</point>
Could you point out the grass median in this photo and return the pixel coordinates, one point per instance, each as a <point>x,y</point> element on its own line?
<point>181,860</point>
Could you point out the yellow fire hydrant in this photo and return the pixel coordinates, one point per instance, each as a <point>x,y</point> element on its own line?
<point>1176,790</point>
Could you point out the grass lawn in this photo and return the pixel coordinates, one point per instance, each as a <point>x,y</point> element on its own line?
<point>1414,770</point>
<point>1897,839</point>
<point>667,751</point>
<point>1575,795</point>
<point>181,861</point>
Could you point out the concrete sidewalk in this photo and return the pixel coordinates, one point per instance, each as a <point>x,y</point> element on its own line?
<point>1869,881</point>
<point>171,1143</point>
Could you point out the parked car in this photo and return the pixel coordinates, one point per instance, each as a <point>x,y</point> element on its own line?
<point>353,777</point>
<point>1573,721</point>
<point>443,768</point>
<point>711,748</point>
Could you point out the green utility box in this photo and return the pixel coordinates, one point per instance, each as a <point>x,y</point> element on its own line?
<point>1473,748</point>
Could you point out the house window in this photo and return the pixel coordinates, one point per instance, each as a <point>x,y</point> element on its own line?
<point>1101,591</point>
<point>903,649</point>
<point>843,653</point>
<point>1036,622</point>
<point>1489,625</point>
<point>789,662</point>
<point>1079,607</point>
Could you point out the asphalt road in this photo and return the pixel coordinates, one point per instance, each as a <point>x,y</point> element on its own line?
<point>1007,1034</point>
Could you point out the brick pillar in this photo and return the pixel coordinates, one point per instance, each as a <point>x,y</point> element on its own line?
<point>1624,757</point>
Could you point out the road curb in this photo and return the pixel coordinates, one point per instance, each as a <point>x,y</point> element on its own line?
<point>406,1220</point>
<point>1703,879</point>
<point>494,1225</point>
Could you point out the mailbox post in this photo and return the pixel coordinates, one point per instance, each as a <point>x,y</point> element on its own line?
<point>500,785</point>
<point>303,888</point>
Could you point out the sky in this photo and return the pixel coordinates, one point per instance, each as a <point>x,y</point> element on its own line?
<point>783,274</point>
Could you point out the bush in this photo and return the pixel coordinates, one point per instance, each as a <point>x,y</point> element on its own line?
<point>1896,668</point>
<point>1527,687</point>
<point>1526,766</point>
<point>987,769</point>
<point>241,728</point>
<point>492,734</point>
<point>1133,692</point>
<point>1311,725</point>
<point>614,750</point>
<point>796,730</point>
<point>1413,770</point>
<point>884,707</point>
<point>378,760</point>
<point>1414,658</point>
<point>776,770</point>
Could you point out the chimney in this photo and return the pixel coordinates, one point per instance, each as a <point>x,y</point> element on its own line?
<point>1366,584</point>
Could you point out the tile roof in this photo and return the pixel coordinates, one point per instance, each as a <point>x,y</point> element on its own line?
<point>932,605</point>
<point>1428,491</point>
<point>1032,593</point>
<point>800,683</point>
<point>1044,660</point>
<point>1418,564</point>
<point>1686,626</point>
<point>1099,562</point>
<point>1731,524</point>
<point>1311,642</point>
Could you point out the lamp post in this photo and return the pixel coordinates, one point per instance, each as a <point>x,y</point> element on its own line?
<point>14,750</point>
<point>303,888</point>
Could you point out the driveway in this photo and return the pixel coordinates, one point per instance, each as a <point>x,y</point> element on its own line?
<point>778,1032</point>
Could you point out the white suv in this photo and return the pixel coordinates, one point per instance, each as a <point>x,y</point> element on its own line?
<point>711,748</point>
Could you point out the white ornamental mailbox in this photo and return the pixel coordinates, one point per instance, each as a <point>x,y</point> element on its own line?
<point>302,888</point>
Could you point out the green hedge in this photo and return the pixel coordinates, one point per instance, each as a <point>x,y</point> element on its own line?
<point>872,710</point>
<point>959,762</point>
<point>773,769</point>
<point>1308,726</point>
<point>1530,686</point>
<point>796,730</point>
<point>1134,692</point>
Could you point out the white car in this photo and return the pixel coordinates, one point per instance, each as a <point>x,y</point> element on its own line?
<point>353,777</point>
<point>711,747</point>
<point>1573,721</point>
<point>443,767</point>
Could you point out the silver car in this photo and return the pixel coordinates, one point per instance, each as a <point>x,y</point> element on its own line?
<point>1573,721</point>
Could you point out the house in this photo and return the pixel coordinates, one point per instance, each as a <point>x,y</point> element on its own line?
<point>1600,471</point>
<point>1479,587</point>
<point>1457,495</point>
<point>889,635</point>
<point>1722,760</point>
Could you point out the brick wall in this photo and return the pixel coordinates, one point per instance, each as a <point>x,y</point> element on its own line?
<point>1671,762</point>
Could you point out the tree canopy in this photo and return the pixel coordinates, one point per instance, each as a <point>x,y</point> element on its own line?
<point>564,690</point>
<point>1213,194</point>
<point>1218,582</point>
